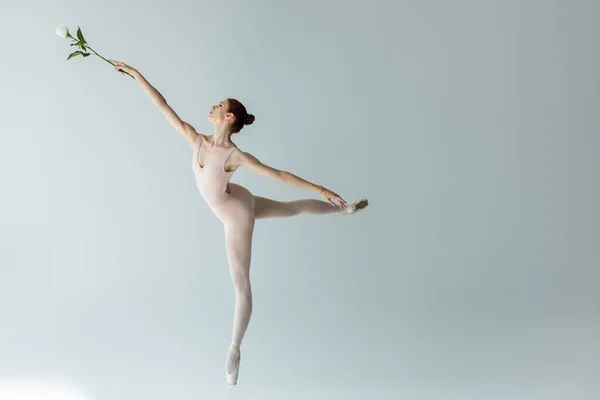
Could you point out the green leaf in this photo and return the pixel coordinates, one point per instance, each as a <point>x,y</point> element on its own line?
<point>80,35</point>
<point>86,54</point>
<point>74,54</point>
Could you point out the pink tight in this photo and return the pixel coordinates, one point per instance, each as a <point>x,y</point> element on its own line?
<point>238,213</point>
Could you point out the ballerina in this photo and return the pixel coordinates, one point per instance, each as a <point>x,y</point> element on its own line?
<point>214,160</point>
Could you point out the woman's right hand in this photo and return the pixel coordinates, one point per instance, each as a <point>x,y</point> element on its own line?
<point>123,68</point>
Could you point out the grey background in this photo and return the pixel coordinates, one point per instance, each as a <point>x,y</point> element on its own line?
<point>471,126</point>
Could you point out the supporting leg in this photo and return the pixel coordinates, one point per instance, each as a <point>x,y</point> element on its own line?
<point>238,242</point>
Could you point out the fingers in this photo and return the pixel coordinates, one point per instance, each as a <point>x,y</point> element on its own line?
<point>329,200</point>
<point>330,196</point>
<point>339,198</point>
<point>119,65</point>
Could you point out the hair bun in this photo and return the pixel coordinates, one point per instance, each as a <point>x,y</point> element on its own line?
<point>249,119</point>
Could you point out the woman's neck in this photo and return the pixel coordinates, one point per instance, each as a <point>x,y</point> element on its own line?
<point>222,137</point>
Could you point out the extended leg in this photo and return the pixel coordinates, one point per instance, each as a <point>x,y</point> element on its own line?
<point>267,208</point>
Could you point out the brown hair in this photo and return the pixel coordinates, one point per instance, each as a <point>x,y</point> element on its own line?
<point>241,115</point>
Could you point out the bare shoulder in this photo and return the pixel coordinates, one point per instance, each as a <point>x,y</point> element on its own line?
<point>245,159</point>
<point>241,157</point>
<point>191,135</point>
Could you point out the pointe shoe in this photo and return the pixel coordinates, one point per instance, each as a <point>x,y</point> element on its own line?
<point>355,206</point>
<point>233,376</point>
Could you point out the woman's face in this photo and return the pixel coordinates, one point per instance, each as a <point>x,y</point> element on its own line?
<point>218,113</point>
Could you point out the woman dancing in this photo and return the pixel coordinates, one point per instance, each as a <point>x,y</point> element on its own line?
<point>215,159</point>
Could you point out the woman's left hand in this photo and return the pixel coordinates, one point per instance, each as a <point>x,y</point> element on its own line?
<point>330,196</point>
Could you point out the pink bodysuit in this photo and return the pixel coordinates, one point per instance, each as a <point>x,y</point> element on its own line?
<point>212,179</point>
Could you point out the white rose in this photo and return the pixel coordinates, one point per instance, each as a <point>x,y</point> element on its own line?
<point>62,31</point>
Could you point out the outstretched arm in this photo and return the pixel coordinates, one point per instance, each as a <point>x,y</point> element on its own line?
<point>184,128</point>
<point>253,164</point>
